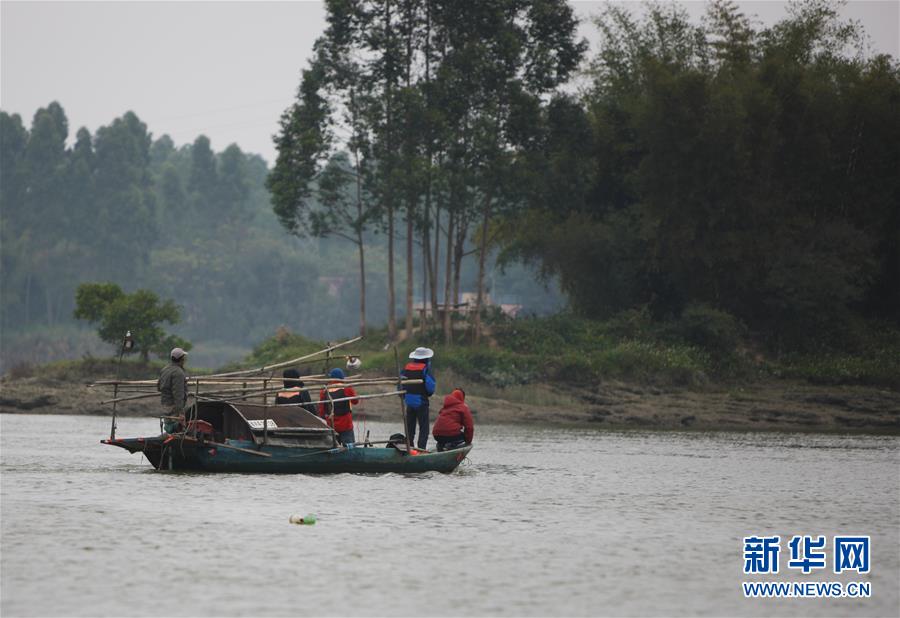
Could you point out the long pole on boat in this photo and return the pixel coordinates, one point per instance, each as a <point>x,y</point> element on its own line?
<point>300,405</point>
<point>215,380</point>
<point>127,344</point>
<point>293,361</point>
<point>334,434</point>
<point>402,397</point>
<point>241,393</point>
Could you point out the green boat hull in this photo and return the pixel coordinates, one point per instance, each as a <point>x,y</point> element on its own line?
<point>166,452</point>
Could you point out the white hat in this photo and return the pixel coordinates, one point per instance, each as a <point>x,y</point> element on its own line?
<point>421,353</point>
<point>177,353</point>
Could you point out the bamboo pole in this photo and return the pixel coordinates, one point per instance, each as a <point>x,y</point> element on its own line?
<point>298,405</point>
<point>318,378</point>
<point>196,407</point>
<point>322,387</point>
<point>232,379</point>
<point>402,399</point>
<point>269,391</point>
<point>285,363</point>
<point>130,398</point>
<point>254,393</point>
<point>237,374</point>
<point>274,389</point>
<point>334,433</point>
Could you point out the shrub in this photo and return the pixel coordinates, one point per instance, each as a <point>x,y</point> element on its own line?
<point>711,329</point>
<point>21,370</point>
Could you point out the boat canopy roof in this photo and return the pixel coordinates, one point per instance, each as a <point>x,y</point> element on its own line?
<point>283,417</point>
<point>285,424</point>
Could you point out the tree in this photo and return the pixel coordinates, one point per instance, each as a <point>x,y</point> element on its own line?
<point>315,190</point>
<point>44,200</point>
<point>233,188</point>
<point>731,167</point>
<point>125,200</point>
<point>203,170</point>
<point>502,57</point>
<point>13,141</point>
<point>15,283</point>
<point>142,313</point>
<point>410,83</point>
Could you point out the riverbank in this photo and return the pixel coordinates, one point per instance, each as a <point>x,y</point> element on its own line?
<point>771,405</point>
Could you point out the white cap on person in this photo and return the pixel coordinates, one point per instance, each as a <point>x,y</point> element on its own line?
<point>421,353</point>
<point>177,354</point>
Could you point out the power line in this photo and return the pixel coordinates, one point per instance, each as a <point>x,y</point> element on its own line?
<point>224,109</point>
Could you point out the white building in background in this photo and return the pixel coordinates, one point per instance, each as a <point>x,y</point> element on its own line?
<point>468,300</point>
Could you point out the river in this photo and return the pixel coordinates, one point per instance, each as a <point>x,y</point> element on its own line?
<point>538,521</point>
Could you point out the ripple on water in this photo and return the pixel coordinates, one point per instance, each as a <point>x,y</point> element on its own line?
<point>536,522</point>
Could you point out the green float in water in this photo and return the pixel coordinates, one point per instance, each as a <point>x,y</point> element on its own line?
<point>308,520</point>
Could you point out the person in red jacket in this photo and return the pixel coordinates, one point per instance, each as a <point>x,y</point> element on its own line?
<point>454,426</point>
<point>339,414</point>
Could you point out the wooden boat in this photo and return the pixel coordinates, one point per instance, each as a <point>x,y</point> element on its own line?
<point>245,437</point>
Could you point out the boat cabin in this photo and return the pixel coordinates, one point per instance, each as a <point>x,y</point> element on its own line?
<point>262,424</point>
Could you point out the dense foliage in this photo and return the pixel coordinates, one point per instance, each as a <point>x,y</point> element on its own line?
<point>418,109</point>
<point>141,314</point>
<point>188,223</point>
<point>703,347</point>
<point>718,199</point>
<point>752,171</point>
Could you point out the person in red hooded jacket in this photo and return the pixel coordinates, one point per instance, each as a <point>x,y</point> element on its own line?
<point>454,426</point>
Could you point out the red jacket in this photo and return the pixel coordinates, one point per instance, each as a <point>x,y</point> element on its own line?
<point>454,418</point>
<point>343,422</point>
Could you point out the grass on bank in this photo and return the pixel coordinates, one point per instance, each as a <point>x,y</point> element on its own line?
<point>704,345</point>
<point>533,359</point>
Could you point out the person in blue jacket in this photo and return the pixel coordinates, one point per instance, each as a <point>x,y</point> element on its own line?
<point>418,368</point>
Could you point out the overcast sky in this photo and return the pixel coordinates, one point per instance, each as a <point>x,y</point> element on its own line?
<point>224,69</point>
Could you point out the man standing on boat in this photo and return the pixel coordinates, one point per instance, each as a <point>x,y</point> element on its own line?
<point>339,414</point>
<point>172,387</point>
<point>418,368</point>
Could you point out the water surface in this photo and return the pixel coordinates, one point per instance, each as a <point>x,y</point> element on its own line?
<point>538,521</point>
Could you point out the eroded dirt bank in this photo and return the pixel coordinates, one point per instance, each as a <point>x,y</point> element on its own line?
<point>772,405</point>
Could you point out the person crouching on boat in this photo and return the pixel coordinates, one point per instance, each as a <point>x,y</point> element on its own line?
<point>339,414</point>
<point>454,426</point>
<point>293,392</point>
<point>172,387</point>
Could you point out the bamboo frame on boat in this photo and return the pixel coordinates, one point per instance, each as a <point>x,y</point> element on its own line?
<point>206,379</point>
<point>237,376</point>
<point>285,363</point>
<point>216,394</point>
<point>257,393</point>
<point>314,379</point>
<point>297,405</point>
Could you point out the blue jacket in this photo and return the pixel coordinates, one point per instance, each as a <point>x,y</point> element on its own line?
<point>411,371</point>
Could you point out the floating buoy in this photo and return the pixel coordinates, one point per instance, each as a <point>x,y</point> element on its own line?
<point>308,520</point>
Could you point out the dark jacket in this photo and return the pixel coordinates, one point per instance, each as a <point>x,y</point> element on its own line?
<point>172,386</point>
<point>294,396</point>
<point>455,418</point>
